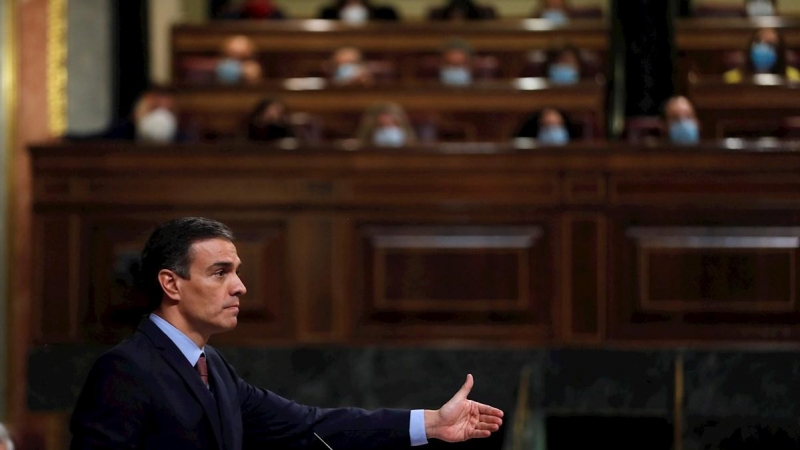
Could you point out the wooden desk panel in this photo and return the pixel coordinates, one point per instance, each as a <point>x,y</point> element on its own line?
<point>734,110</point>
<point>288,48</point>
<point>495,110</point>
<point>583,244</point>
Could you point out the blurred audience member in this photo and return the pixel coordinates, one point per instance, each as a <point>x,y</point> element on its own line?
<point>153,119</point>
<point>357,12</point>
<point>564,66</point>
<point>756,8</point>
<point>462,10</point>
<point>269,121</point>
<point>348,68</point>
<point>765,55</point>
<point>456,64</point>
<point>549,127</point>
<point>5,439</point>
<point>681,121</point>
<point>386,125</point>
<point>250,10</point>
<point>238,61</point>
<point>556,11</point>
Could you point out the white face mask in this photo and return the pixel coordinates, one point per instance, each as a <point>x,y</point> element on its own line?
<point>760,8</point>
<point>354,14</point>
<point>159,125</point>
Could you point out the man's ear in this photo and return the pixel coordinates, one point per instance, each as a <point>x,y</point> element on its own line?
<point>170,281</point>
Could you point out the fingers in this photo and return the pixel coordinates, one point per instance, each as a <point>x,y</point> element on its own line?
<point>488,410</point>
<point>477,434</point>
<point>494,420</point>
<point>491,427</point>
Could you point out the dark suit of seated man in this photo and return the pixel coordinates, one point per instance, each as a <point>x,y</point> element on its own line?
<point>165,388</point>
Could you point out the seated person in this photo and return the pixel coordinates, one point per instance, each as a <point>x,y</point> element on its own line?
<point>564,66</point>
<point>347,68</point>
<point>357,11</point>
<point>681,121</point>
<point>549,127</point>
<point>269,121</point>
<point>386,125</point>
<point>154,119</point>
<point>455,68</point>
<point>556,11</point>
<point>757,8</point>
<point>766,55</point>
<point>249,10</point>
<point>238,63</point>
<point>461,10</point>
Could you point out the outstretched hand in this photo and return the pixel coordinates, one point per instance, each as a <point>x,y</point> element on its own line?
<point>461,419</point>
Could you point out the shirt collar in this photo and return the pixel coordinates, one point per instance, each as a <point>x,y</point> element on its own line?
<point>189,349</point>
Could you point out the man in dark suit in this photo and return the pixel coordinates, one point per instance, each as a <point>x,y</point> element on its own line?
<point>165,388</point>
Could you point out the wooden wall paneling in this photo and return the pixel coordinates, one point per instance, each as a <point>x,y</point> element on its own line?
<point>423,280</point>
<point>311,274</point>
<point>584,279</point>
<point>718,281</point>
<point>58,285</point>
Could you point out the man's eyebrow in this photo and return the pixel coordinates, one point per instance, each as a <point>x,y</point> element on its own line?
<point>221,265</point>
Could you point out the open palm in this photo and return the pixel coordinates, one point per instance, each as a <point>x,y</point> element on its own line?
<point>461,419</point>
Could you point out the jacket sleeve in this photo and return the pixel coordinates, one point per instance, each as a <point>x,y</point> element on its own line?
<point>270,420</point>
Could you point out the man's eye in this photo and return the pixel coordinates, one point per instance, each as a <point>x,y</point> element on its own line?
<point>219,273</point>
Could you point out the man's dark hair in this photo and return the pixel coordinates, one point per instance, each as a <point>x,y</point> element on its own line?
<point>169,247</point>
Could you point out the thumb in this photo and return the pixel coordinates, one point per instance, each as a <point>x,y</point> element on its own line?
<point>466,388</point>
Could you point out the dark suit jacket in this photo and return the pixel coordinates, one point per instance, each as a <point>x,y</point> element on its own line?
<point>144,394</point>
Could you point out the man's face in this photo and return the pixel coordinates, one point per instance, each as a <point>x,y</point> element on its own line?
<point>680,109</point>
<point>209,299</point>
<point>456,57</point>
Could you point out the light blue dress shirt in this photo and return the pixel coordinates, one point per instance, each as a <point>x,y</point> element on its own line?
<point>416,427</point>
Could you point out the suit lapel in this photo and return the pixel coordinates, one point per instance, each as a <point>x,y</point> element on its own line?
<point>223,399</point>
<point>173,356</point>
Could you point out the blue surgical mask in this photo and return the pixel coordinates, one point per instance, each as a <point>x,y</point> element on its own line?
<point>553,135</point>
<point>763,56</point>
<point>684,132</point>
<point>556,16</point>
<point>563,74</point>
<point>346,72</point>
<point>392,136</point>
<point>229,71</point>
<point>455,76</point>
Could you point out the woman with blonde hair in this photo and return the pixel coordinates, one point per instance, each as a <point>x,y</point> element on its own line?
<point>386,125</point>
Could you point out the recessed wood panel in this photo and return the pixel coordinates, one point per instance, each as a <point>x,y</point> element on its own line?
<point>732,280</point>
<point>586,278</point>
<point>55,293</point>
<point>457,276</point>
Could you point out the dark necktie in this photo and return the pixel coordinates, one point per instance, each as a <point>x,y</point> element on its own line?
<point>202,368</point>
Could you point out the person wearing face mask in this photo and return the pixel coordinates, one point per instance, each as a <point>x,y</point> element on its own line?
<point>456,65</point>
<point>564,67</point>
<point>456,10</point>
<point>681,121</point>
<point>238,63</point>
<point>357,12</point>
<point>555,11</point>
<point>347,68</point>
<point>153,120</point>
<point>760,8</point>
<point>550,127</point>
<point>269,121</point>
<point>766,54</point>
<point>386,125</point>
